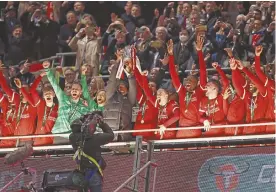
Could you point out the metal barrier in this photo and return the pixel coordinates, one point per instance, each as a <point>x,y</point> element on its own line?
<point>145,130</point>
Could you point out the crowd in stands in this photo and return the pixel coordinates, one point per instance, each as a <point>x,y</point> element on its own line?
<point>172,69</point>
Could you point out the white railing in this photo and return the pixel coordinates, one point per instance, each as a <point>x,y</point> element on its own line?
<point>169,141</point>
<point>144,130</point>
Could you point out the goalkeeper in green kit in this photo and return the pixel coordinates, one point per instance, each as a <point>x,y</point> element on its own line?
<point>71,107</point>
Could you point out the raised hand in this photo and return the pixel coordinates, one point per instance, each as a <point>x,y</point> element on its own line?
<point>199,42</point>
<point>145,73</point>
<point>239,64</point>
<point>81,32</point>
<point>207,57</point>
<point>46,64</point>
<point>43,74</point>
<point>165,61</point>
<point>193,71</point>
<point>98,32</point>
<point>1,65</point>
<point>18,83</point>
<point>83,70</point>
<point>233,64</point>
<point>170,47</point>
<point>215,65</point>
<point>119,54</point>
<point>229,52</point>
<point>226,93</point>
<point>258,50</point>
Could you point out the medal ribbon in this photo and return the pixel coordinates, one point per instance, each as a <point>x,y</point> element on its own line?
<point>45,116</point>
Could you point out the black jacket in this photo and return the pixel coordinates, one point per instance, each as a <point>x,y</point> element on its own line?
<point>92,145</point>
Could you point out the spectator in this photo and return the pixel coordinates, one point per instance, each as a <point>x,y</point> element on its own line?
<point>67,31</point>
<point>47,32</point>
<point>11,19</point>
<point>88,48</point>
<point>79,8</point>
<point>121,97</point>
<point>96,85</point>
<point>20,47</point>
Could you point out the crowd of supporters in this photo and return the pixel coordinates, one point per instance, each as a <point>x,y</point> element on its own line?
<point>161,67</point>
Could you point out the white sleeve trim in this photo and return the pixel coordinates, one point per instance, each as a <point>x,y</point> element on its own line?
<point>12,96</point>
<point>37,103</point>
<point>266,81</point>
<point>140,100</point>
<point>245,84</point>
<point>2,98</point>
<point>243,95</point>
<point>155,104</point>
<point>265,94</point>
<point>179,89</point>
<point>175,109</point>
<point>201,110</point>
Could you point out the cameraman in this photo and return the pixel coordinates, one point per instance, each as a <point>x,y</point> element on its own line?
<point>84,140</point>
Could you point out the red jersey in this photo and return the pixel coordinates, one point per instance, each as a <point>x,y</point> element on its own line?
<point>256,105</point>
<point>236,108</point>
<point>8,114</point>
<point>147,115</point>
<point>25,120</point>
<point>168,115</point>
<point>189,102</point>
<point>46,116</point>
<point>213,110</point>
<point>270,85</point>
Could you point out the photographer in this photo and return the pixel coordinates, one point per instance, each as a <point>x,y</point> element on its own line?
<point>88,147</point>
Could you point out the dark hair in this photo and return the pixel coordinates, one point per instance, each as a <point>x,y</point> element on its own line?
<point>16,27</point>
<point>217,83</point>
<point>81,2</point>
<point>47,88</point>
<point>77,82</point>
<point>258,10</point>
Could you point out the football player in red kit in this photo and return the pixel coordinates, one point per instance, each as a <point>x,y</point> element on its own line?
<point>236,108</point>
<point>189,93</point>
<point>23,118</point>
<point>168,110</point>
<point>146,117</point>
<point>47,111</point>
<point>7,123</point>
<point>255,98</point>
<point>270,85</point>
<point>213,110</point>
<point>26,115</point>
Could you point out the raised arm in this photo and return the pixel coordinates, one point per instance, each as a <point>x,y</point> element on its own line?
<point>202,65</point>
<point>25,94</point>
<point>257,82</point>
<point>175,78</point>
<point>139,94</point>
<point>237,78</point>
<point>225,81</point>
<point>267,82</point>
<point>85,92</point>
<point>52,79</point>
<point>5,87</point>
<point>132,89</point>
<point>35,83</point>
<point>112,82</point>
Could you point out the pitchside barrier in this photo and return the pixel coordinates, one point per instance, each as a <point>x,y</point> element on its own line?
<point>250,169</point>
<point>214,170</point>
